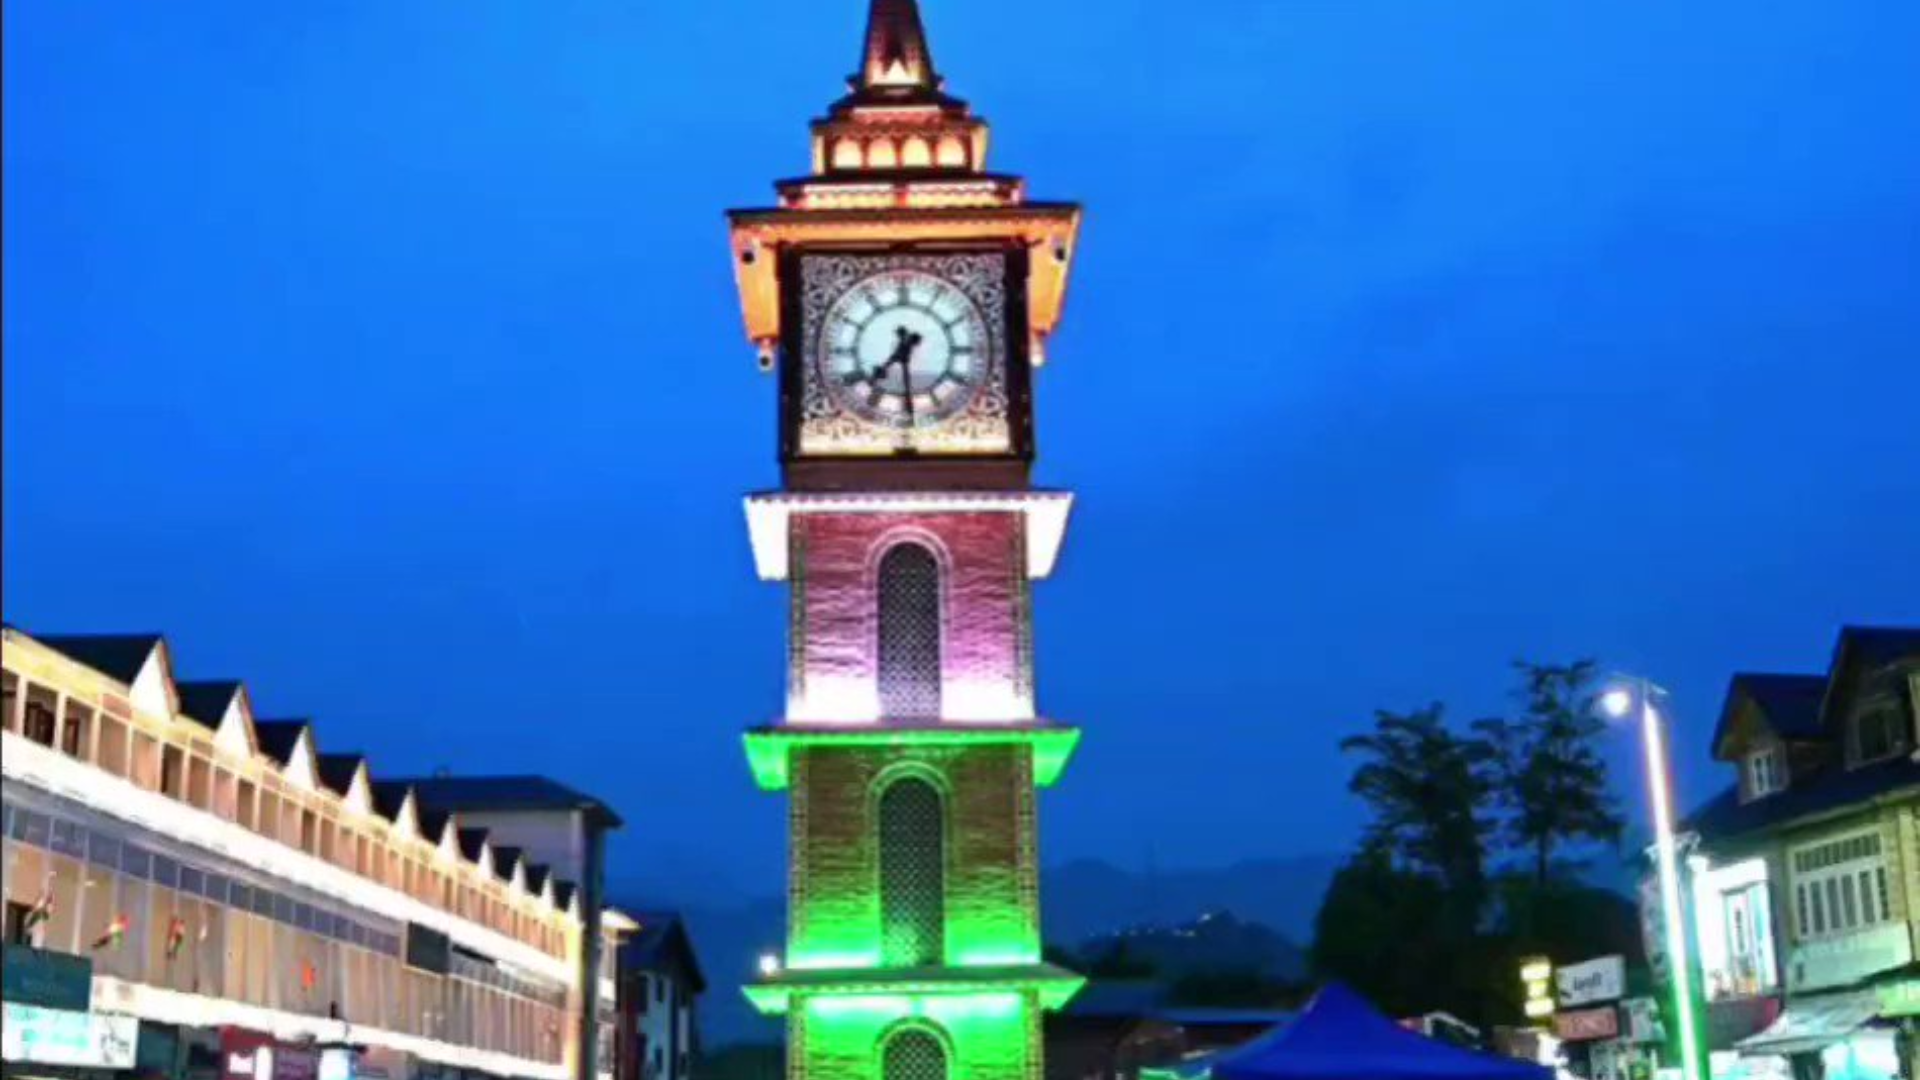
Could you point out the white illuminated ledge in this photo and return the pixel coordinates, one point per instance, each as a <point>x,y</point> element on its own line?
<point>768,514</point>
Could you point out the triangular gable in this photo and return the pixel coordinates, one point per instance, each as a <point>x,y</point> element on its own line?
<point>359,796</point>
<point>152,690</point>
<point>517,884</point>
<point>300,765</point>
<point>407,821</point>
<point>485,861</point>
<point>235,735</point>
<point>448,844</point>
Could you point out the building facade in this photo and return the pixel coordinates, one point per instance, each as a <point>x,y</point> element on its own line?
<point>252,908</point>
<point>660,986</point>
<point>904,295</point>
<point>1805,871</point>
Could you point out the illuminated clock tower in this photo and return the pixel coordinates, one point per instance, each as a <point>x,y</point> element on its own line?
<point>904,295</point>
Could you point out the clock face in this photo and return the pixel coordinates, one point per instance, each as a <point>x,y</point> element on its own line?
<point>900,351</point>
<point>904,348</point>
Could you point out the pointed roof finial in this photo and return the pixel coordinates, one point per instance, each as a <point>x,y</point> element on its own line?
<point>896,53</point>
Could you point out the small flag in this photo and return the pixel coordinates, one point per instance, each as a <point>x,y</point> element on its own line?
<point>42,908</point>
<point>176,936</point>
<point>116,932</point>
<point>307,974</point>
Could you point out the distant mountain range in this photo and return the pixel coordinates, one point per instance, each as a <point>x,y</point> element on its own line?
<point>1081,902</point>
<point>1214,943</point>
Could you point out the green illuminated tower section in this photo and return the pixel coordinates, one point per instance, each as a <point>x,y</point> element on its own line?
<point>903,296</point>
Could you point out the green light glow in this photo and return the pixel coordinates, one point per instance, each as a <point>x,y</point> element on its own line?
<point>934,989</point>
<point>770,750</point>
<point>989,1034</point>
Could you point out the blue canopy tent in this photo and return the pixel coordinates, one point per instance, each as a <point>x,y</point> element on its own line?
<point>1338,1036</point>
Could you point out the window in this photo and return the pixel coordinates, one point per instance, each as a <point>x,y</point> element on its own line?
<point>1766,772</point>
<point>913,1054</point>
<point>16,929</point>
<point>1880,731</point>
<point>1840,886</point>
<point>909,633</point>
<point>73,731</point>
<point>173,763</point>
<point>9,697</point>
<point>38,721</point>
<point>912,874</point>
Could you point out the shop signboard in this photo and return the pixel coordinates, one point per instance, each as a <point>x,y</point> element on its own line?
<point>1603,979</point>
<point>33,1033</point>
<point>1901,998</point>
<point>252,1055</point>
<point>1642,1021</point>
<point>1586,1025</point>
<point>1843,960</point>
<point>52,980</point>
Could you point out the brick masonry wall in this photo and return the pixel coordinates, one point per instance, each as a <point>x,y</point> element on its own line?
<point>984,662</point>
<point>991,864</point>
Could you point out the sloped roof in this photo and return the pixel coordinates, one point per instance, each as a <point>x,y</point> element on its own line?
<point>504,859</point>
<point>1725,817</point>
<point>433,823</point>
<point>483,793</point>
<point>388,797</point>
<point>472,841</point>
<point>1790,705</point>
<point>279,737</point>
<point>536,876</point>
<point>205,701</point>
<point>336,771</point>
<point>117,656</point>
<point>662,942</point>
<point>1118,999</point>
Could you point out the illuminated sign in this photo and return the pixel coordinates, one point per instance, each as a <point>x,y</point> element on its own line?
<point>60,1037</point>
<point>1536,976</point>
<point>1585,1025</point>
<point>1604,979</point>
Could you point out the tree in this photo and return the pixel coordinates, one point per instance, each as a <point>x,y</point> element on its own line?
<point>1426,786</point>
<point>1547,770</point>
<point>1382,930</point>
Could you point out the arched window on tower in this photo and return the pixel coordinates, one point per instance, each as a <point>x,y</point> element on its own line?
<point>846,154</point>
<point>913,1054</point>
<point>952,154</point>
<point>881,154</point>
<point>913,874</point>
<point>915,153</point>
<point>909,634</point>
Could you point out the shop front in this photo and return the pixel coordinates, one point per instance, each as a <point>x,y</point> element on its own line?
<point>36,1041</point>
<point>253,1055</point>
<point>1832,1037</point>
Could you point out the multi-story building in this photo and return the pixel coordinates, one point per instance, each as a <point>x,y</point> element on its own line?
<point>205,893</point>
<point>660,983</point>
<point>1806,870</point>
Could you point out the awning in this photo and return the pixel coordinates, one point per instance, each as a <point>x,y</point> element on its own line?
<point>1811,1024</point>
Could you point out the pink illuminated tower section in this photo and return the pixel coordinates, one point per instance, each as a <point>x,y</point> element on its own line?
<point>903,295</point>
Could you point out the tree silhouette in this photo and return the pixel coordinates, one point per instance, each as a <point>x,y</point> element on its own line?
<point>1547,770</point>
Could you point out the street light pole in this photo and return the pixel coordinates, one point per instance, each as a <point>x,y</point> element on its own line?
<point>1619,703</point>
<point>1666,855</point>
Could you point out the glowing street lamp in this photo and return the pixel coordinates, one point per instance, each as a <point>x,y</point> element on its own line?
<point>1619,702</point>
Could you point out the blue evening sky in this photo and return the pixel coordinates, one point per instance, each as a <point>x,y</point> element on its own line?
<point>386,355</point>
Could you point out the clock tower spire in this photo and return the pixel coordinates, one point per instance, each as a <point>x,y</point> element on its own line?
<point>896,57</point>
<point>904,294</point>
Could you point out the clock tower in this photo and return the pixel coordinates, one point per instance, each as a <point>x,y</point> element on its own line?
<point>903,294</point>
